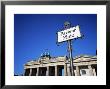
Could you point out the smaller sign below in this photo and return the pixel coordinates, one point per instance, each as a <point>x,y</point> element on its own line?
<point>71,33</point>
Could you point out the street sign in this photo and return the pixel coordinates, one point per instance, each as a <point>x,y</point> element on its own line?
<point>68,34</point>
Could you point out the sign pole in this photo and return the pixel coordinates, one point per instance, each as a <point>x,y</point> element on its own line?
<point>70,57</point>
<point>68,34</point>
<point>66,26</point>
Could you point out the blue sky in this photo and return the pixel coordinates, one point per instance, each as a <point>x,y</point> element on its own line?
<point>34,33</point>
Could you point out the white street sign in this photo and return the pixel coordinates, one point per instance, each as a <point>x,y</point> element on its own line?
<point>71,33</point>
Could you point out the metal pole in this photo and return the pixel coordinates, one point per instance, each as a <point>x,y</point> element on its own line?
<point>66,26</point>
<point>70,57</point>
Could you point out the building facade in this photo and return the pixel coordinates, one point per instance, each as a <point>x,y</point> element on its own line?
<point>60,66</point>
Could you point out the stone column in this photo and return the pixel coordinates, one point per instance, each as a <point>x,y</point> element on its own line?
<point>90,70</point>
<point>47,72</point>
<point>65,70</point>
<point>56,71</point>
<point>94,72</point>
<point>30,72</point>
<point>68,71</point>
<point>77,71</point>
<point>37,74</point>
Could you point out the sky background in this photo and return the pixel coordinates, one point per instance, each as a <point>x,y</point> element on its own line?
<point>35,33</point>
